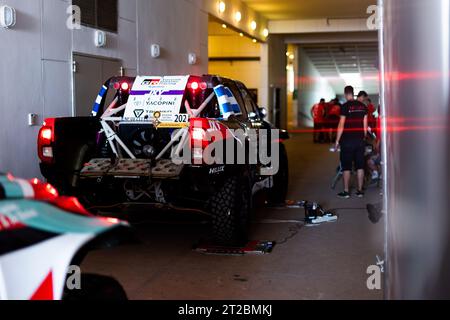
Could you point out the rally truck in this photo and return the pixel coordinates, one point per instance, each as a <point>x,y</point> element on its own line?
<point>148,144</point>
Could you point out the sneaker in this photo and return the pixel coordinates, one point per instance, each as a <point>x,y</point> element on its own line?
<point>360,194</point>
<point>344,195</point>
<point>325,218</point>
<point>375,175</point>
<point>309,221</point>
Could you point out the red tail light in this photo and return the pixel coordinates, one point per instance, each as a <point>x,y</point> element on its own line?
<point>45,139</point>
<point>125,86</point>
<point>195,85</point>
<point>203,132</point>
<point>199,132</point>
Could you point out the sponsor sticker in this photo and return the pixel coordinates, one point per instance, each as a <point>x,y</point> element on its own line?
<point>161,96</point>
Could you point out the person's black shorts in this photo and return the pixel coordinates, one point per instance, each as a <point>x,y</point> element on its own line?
<point>353,152</point>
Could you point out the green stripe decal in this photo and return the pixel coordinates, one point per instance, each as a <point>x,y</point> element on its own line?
<point>44,217</point>
<point>12,189</point>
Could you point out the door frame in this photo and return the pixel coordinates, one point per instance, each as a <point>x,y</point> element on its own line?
<point>72,72</point>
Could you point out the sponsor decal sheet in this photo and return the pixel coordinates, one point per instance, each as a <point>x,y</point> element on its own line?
<point>157,100</point>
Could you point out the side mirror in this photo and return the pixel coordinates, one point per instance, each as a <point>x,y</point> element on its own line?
<point>262,113</point>
<point>284,135</point>
<point>252,116</point>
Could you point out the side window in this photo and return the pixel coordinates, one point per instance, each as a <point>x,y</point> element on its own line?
<point>248,99</point>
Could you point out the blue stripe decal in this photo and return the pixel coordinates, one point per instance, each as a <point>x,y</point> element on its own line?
<point>96,108</point>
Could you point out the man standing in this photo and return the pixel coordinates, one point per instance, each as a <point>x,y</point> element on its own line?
<point>352,131</point>
<point>333,117</point>
<point>318,115</point>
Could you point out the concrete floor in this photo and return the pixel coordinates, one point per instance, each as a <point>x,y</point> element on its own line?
<point>325,262</point>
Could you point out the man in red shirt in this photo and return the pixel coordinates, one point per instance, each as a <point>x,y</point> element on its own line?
<point>318,115</point>
<point>363,97</point>
<point>333,117</point>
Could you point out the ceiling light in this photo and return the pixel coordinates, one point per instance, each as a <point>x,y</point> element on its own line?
<point>253,25</point>
<point>288,54</point>
<point>266,32</point>
<point>241,34</point>
<point>224,26</point>
<point>292,57</point>
<point>238,16</point>
<point>352,79</point>
<point>255,41</point>
<point>222,6</point>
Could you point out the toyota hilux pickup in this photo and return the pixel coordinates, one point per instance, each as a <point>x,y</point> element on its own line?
<point>196,143</point>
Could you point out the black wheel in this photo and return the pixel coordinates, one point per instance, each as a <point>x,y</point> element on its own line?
<point>279,190</point>
<point>96,288</point>
<point>230,209</point>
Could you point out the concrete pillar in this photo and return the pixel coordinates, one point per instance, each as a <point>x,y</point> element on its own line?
<point>277,74</point>
<point>415,72</point>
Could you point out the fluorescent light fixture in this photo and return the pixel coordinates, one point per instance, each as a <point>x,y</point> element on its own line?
<point>352,79</point>
<point>222,6</point>
<point>253,25</point>
<point>238,16</point>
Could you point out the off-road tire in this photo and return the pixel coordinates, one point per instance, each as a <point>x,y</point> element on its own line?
<point>230,209</point>
<point>278,193</point>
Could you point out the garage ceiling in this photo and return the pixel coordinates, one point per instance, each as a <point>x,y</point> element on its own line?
<point>336,59</point>
<point>215,29</point>
<point>310,9</point>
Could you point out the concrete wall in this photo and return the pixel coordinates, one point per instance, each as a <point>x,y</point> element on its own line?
<point>36,55</point>
<point>312,87</point>
<point>249,72</point>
